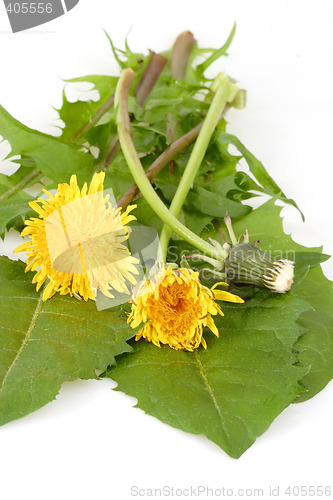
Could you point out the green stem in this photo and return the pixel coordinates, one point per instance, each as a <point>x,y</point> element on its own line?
<point>20,185</point>
<point>146,84</point>
<point>163,159</point>
<point>197,155</point>
<point>98,115</point>
<point>138,172</point>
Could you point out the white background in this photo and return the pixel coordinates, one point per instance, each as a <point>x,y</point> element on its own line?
<point>90,443</point>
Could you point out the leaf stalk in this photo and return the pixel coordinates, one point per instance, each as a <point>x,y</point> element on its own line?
<point>138,172</point>
<point>220,99</point>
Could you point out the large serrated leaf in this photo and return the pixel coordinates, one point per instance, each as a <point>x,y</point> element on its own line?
<point>45,343</point>
<point>214,205</point>
<point>79,116</point>
<point>16,205</point>
<point>316,346</point>
<point>256,168</point>
<point>13,201</point>
<point>232,391</point>
<point>56,159</point>
<point>265,225</point>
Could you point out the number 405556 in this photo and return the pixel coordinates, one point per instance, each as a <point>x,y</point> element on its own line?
<point>29,8</point>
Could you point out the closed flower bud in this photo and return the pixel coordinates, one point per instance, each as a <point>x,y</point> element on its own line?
<point>247,264</point>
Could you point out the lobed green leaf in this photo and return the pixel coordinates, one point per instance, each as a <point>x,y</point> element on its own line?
<point>42,344</point>
<point>56,159</point>
<point>232,391</point>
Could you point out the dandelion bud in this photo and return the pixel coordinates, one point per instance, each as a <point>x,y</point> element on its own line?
<point>247,264</point>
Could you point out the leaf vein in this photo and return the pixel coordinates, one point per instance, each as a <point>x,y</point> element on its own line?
<point>212,395</point>
<point>32,325</point>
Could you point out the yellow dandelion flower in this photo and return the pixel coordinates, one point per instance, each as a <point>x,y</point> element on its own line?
<point>175,307</point>
<point>77,242</point>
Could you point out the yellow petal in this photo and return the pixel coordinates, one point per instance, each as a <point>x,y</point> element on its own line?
<point>37,208</point>
<point>211,325</point>
<point>23,247</point>
<point>219,283</point>
<point>227,296</point>
<point>49,291</point>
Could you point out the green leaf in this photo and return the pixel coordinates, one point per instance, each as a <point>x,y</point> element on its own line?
<point>215,205</point>
<point>216,54</point>
<point>25,176</point>
<point>75,115</point>
<point>80,116</point>
<point>256,168</point>
<point>195,220</point>
<point>104,84</point>
<point>25,161</point>
<point>218,188</point>
<point>11,208</point>
<point>130,58</point>
<point>13,201</point>
<point>232,391</point>
<point>146,216</point>
<point>167,98</point>
<point>316,346</point>
<point>118,176</point>
<point>115,51</point>
<point>265,224</point>
<point>43,344</point>
<point>145,140</point>
<point>56,159</point>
